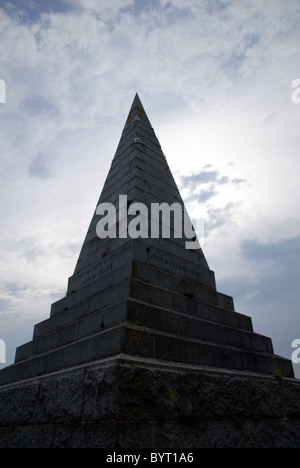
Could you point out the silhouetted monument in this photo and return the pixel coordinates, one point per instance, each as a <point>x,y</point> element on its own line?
<point>143,351</point>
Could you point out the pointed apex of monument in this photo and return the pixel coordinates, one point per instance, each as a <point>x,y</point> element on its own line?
<point>137,100</point>
<point>137,111</point>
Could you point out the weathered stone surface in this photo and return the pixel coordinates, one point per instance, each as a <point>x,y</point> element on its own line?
<point>143,404</point>
<point>179,284</point>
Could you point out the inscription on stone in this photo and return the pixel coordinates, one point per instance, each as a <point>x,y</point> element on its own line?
<point>174,264</point>
<point>116,258</point>
<point>101,268</point>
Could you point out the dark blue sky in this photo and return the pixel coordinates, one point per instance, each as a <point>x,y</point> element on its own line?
<point>31,10</point>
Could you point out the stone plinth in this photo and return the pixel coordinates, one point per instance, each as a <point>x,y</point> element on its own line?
<point>142,403</point>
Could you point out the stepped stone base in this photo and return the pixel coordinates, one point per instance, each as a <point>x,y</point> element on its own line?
<point>143,351</point>
<point>142,311</point>
<point>125,402</point>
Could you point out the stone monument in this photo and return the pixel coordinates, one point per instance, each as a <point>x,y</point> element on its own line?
<point>143,351</point>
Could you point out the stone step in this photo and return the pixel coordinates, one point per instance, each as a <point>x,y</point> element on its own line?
<point>158,318</point>
<point>121,184</point>
<point>76,353</point>
<point>176,283</point>
<point>116,266</point>
<point>114,287</point>
<point>191,265</point>
<point>96,302</point>
<point>77,329</point>
<point>95,247</point>
<point>145,342</point>
<point>128,137</point>
<point>186,304</point>
<point>194,268</point>
<point>94,250</point>
<point>145,162</point>
<point>166,346</point>
<point>90,285</point>
<point>105,292</point>
<point>144,314</point>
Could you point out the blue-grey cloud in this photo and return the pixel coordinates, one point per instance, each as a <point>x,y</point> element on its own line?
<point>275,276</point>
<point>232,65</point>
<point>238,181</point>
<point>218,217</point>
<point>37,105</point>
<point>277,272</point>
<point>202,196</point>
<point>283,253</point>
<point>30,11</point>
<point>40,167</point>
<point>203,185</point>
<point>214,6</point>
<point>201,177</point>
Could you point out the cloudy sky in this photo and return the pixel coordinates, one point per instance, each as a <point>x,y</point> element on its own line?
<point>215,78</point>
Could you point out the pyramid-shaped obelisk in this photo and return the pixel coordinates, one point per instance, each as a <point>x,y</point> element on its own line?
<point>143,351</point>
<point>146,297</point>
